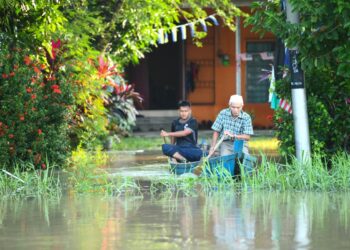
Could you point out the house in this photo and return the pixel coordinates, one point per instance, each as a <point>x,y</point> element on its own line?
<point>207,76</point>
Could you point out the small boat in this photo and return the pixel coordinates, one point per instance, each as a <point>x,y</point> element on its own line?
<point>220,165</point>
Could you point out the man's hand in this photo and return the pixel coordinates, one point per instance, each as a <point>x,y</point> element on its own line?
<point>211,151</point>
<point>164,133</point>
<point>229,134</point>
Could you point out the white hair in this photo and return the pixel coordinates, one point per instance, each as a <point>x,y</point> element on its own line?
<point>236,99</point>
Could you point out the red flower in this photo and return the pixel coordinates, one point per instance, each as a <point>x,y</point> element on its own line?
<point>15,66</point>
<point>29,90</point>
<point>27,60</point>
<point>42,84</point>
<point>39,131</point>
<point>12,74</point>
<point>21,117</point>
<point>37,70</point>
<point>33,109</point>
<point>11,136</point>
<point>57,91</point>
<point>4,76</point>
<point>280,119</point>
<point>55,47</point>
<point>43,166</point>
<point>33,96</point>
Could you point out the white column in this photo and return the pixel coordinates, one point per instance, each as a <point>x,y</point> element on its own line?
<point>238,58</point>
<point>300,116</point>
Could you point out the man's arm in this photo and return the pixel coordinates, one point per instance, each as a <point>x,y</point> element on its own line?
<point>213,141</point>
<point>176,134</point>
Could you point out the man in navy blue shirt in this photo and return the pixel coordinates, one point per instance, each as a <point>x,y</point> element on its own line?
<point>184,132</point>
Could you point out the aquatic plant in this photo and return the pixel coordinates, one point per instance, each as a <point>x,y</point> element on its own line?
<point>30,182</point>
<point>293,175</point>
<point>87,175</point>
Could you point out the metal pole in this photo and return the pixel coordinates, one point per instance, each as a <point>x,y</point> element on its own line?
<point>238,58</point>
<point>300,116</point>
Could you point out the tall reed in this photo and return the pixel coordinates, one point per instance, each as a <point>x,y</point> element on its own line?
<point>30,182</point>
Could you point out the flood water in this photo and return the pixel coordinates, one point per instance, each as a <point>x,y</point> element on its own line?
<point>216,220</point>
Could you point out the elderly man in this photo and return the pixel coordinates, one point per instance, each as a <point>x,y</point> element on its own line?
<point>233,123</point>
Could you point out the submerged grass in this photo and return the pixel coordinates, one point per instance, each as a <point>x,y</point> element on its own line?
<point>87,175</point>
<point>31,182</point>
<point>268,175</point>
<point>313,175</point>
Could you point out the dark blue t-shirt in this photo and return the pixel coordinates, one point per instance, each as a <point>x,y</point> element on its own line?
<point>188,140</point>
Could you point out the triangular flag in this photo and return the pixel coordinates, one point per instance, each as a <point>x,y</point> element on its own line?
<point>174,34</point>
<point>160,36</point>
<point>285,105</point>
<point>204,25</point>
<point>212,17</point>
<point>193,33</point>
<point>183,32</point>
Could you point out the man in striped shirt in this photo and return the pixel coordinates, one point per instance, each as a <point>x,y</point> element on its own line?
<point>233,123</point>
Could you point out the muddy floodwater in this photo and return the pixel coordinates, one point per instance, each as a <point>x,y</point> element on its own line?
<point>214,220</point>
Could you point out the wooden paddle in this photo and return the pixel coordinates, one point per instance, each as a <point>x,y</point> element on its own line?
<point>199,169</point>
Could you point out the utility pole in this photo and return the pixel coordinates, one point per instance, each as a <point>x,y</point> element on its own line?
<point>300,116</point>
<point>238,57</point>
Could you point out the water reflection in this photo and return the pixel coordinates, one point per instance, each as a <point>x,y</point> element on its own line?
<point>205,221</point>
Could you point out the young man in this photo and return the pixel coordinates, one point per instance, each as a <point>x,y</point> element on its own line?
<point>184,132</point>
<point>233,123</point>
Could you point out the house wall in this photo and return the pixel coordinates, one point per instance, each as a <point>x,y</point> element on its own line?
<point>225,76</point>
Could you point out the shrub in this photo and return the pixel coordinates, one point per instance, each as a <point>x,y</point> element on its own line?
<point>35,98</point>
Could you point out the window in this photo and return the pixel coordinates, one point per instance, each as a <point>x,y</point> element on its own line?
<point>257,90</point>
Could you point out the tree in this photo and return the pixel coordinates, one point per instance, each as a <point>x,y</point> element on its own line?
<point>322,37</point>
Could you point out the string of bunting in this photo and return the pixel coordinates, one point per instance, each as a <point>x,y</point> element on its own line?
<point>163,36</point>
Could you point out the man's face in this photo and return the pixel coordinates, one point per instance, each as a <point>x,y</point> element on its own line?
<point>184,112</point>
<point>235,109</point>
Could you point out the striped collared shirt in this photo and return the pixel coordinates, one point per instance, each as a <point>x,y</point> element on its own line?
<point>236,125</point>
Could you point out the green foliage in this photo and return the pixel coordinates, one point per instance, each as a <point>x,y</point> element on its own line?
<point>322,37</point>
<point>87,175</point>
<point>31,22</point>
<point>35,99</point>
<point>122,112</point>
<point>26,181</point>
<point>131,27</point>
<point>313,175</point>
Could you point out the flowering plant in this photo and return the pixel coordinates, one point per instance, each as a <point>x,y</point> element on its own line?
<point>34,106</point>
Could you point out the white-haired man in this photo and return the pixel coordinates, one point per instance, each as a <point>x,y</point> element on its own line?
<point>233,123</point>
